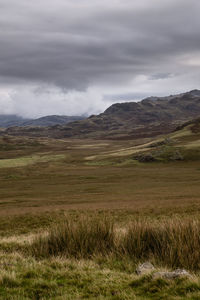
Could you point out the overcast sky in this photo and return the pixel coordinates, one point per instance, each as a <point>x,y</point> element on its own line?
<point>74,57</point>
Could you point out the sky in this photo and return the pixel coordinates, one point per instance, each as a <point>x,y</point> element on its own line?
<point>78,57</point>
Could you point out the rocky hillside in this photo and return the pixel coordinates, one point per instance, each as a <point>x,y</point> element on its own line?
<point>149,117</point>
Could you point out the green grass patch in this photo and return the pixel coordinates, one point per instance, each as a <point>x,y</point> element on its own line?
<point>24,161</point>
<point>59,278</point>
<point>161,154</point>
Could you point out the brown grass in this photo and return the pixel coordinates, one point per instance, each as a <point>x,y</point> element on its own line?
<point>81,239</point>
<point>173,244</point>
<point>72,184</point>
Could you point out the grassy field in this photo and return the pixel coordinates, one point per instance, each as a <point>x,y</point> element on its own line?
<point>148,190</point>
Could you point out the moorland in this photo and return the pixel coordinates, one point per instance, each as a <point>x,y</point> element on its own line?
<point>77,216</point>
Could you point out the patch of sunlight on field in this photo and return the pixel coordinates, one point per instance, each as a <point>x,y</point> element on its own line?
<point>91,146</point>
<point>124,151</point>
<point>186,131</point>
<point>194,144</point>
<point>145,147</point>
<point>24,161</point>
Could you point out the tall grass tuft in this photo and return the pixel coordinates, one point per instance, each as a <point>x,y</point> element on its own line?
<point>80,239</point>
<point>172,243</point>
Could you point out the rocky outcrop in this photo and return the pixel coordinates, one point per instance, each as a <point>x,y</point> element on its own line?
<point>172,275</point>
<point>147,268</point>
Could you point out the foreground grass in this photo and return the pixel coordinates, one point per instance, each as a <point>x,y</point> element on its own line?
<point>95,257</point>
<point>59,278</point>
<point>173,243</point>
<point>62,279</point>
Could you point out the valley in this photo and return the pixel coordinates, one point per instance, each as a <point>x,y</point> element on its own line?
<point>76,211</point>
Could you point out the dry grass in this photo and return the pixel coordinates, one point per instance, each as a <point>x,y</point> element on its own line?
<point>24,161</point>
<point>81,239</point>
<point>174,243</point>
<point>117,183</point>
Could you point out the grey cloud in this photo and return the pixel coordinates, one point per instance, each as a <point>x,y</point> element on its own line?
<point>160,76</point>
<point>76,45</point>
<point>125,97</point>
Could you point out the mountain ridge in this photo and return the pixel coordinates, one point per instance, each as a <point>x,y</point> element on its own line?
<point>149,117</point>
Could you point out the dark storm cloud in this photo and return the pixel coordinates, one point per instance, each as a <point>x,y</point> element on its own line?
<point>76,45</point>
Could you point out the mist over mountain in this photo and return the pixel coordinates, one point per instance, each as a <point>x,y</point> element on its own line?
<point>149,117</point>
<point>14,120</point>
<point>11,120</point>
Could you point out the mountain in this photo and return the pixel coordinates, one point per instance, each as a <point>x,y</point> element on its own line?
<point>149,117</point>
<point>52,120</point>
<point>13,120</point>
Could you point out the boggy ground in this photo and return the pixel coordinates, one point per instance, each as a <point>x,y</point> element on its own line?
<point>45,181</point>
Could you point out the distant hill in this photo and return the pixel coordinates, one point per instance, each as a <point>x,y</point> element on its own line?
<point>149,117</point>
<point>13,120</point>
<point>52,120</point>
